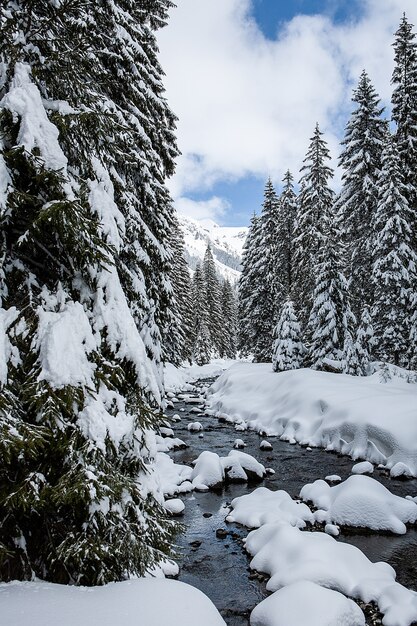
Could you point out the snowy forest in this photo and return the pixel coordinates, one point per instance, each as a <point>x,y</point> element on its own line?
<point>109,343</point>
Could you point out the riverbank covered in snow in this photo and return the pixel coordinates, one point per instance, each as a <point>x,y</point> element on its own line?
<point>362,417</point>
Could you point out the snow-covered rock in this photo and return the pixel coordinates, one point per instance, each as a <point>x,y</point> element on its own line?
<point>173,478</point>
<point>290,555</point>
<point>194,427</point>
<point>208,471</point>
<point>175,506</point>
<point>365,467</point>
<point>356,415</point>
<point>265,445</point>
<point>264,506</point>
<point>333,478</point>
<point>139,602</point>
<point>241,467</point>
<point>361,501</point>
<point>307,604</point>
<point>239,444</point>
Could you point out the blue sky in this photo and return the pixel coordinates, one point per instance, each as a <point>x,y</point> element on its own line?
<point>248,80</point>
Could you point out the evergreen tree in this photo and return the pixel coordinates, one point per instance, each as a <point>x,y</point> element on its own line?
<point>356,205</point>
<point>330,316</point>
<point>214,305</point>
<point>315,202</point>
<point>288,350</point>
<point>395,262</point>
<point>84,219</point>
<point>351,359</point>
<point>202,342</point>
<point>268,287</point>
<point>364,341</point>
<point>404,107</point>
<point>229,324</point>
<point>247,290</point>
<point>178,345</point>
<point>285,238</point>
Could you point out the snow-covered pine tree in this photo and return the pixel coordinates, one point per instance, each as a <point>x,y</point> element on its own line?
<point>330,316</point>
<point>361,163</point>
<point>79,503</point>
<point>202,342</point>
<point>247,289</point>
<point>351,359</point>
<point>268,288</point>
<point>315,202</point>
<point>404,109</point>
<point>285,237</point>
<point>213,298</point>
<point>288,349</point>
<point>395,262</point>
<point>365,341</point>
<point>229,324</point>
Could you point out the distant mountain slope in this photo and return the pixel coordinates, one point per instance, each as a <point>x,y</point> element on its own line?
<point>226,244</point>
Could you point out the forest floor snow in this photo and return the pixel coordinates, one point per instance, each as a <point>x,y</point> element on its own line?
<point>362,417</point>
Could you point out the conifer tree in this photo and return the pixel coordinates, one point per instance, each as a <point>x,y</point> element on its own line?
<point>404,107</point>
<point>395,263</point>
<point>202,341</point>
<point>82,289</point>
<point>351,359</point>
<point>288,350</point>
<point>229,321</point>
<point>356,205</point>
<point>330,317</point>
<point>268,287</point>
<point>247,290</point>
<point>365,341</point>
<point>315,201</point>
<point>178,345</point>
<point>285,237</point>
<point>213,296</point>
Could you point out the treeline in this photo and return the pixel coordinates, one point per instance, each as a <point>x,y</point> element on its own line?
<point>330,281</point>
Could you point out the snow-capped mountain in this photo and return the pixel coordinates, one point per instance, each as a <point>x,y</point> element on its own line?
<point>226,244</point>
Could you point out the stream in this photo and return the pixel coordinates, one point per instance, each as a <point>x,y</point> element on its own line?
<point>219,566</point>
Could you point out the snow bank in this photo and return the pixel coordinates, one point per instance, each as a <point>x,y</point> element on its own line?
<point>143,602</point>
<point>173,478</point>
<point>358,416</point>
<point>361,501</point>
<point>305,603</point>
<point>264,506</point>
<point>290,555</point>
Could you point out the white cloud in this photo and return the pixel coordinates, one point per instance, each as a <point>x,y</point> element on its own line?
<point>248,105</point>
<point>211,209</point>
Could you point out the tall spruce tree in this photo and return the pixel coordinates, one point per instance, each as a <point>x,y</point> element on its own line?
<point>285,237</point>
<point>356,205</point>
<point>315,202</point>
<point>214,304</point>
<point>268,288</point>
<point>202,341</point>
<point>404,107</point>
<point>395,263</point>
<point>330,317</point>
<point>83,291</point>
<point>288,350</point>
<point>229,321</point>
<point>247,290</point>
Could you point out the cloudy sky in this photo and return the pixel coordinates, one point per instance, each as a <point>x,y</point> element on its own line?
<point>248,79</point>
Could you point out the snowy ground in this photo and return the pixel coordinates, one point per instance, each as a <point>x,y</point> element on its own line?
<point>177,379</point>
<point>359,416</point>
<point>143,602</point>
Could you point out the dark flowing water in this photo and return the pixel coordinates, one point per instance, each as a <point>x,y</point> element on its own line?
<point>220,566</point>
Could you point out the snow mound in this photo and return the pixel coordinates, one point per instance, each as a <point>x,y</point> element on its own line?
<point>264,506</point>
<point>290,555</point>
<point>363,502</point>
<point>305,603</point>
<point>241,467</point>
<point>208,471</point>
<point>173,478</point>
<point>356,415</point>
<point>195,427</point>
<point>175,506</point>
<point>239,444</point>
<point>363,468</point>
<point>265,445</point>
<point>145,601</point>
